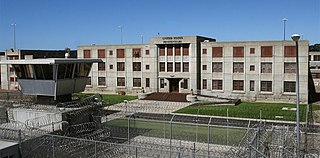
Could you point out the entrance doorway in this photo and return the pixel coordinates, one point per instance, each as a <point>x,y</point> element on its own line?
<point>174,85</point>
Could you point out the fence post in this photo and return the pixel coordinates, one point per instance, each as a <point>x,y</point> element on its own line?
<point>171,134</point>
<point>129,134</point>
<point>95,149</point>
<point>53,156</point>
<point>209,134</point>
<point>194,150</point>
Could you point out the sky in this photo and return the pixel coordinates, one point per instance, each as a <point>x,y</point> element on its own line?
<point>57,24</point>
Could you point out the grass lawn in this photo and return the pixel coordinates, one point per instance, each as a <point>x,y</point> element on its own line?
<point>249,110</point>
<point>111,99</point>
<point>218,135</point>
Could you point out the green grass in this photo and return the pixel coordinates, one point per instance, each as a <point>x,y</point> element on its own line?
<point>111,99</point>
<point>249,110</point>
<point>218,135</point>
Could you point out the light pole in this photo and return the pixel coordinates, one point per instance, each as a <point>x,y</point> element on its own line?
<point>120,27</point>
<point>14,35</point>
<point>141,39</point>
<point>296,37</point>
<point>284,28</point>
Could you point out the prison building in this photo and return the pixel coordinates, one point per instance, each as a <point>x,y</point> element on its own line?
<point>249,70</point>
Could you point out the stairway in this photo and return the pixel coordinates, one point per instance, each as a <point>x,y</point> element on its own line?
<point>174,97</point>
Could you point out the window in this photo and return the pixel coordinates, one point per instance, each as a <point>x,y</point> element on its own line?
<point>251,85</point>
<point>309,57</point>
<point>101,66</point>
<point>266,86</point>
<point>120,66</point>
<point>110,67</point>
<point>289,86</point>
<point>120,53</point>
<point>204,67</point>
<point>204,51</point>
<point>136,66</point>
<point>266,51</point>
<point>266,67</point>
<point>185,84</point>
<point>316,58</point>
<point>216,84</point>
<point>238,67</point>
<point>101,53</point>
<point>147,52</point>
<point>121,81</point>
<point>147,82</point>
<point>238,51</point>
<point>88,81</point>
<point>110,52</point>
<point>147,67</point>
<point>290,51</point>
<point>238,85</point>
<point>289,67</point>
<point>136,82</point>
<point>136,52</point>
<point>204,84</point>
<point>169,51</point>
<point>185,67</point>
<point>177,67</point>
<point>86,53</point>
<point>252,50</point>
<point>315,75</point>
<point>216,52</point>
<point>162,51</point>
<point>217,67</point>
<point>186,50</point>
<point>177,51</point>
<point>162,83</point>
<point>169,67</point>
<point>101,81</point>
<point>162,67</point>
<point>252,68</point>
<point>11,79</point>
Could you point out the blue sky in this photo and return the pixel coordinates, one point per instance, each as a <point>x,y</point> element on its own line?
<point>56,24</point>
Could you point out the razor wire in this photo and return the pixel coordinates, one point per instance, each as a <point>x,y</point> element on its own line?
<point>94,99</point>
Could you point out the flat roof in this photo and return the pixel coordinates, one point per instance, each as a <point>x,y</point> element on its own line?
<point>6,144</point>
<point>51,61</point>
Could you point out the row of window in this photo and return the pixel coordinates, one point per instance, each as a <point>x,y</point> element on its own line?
<point>266,51</point>
<point>177,50</point>
<point>121,81</point>
<point>238,67</point>
<point>177,67</point>
<point>136,53</point>
<point>238,85</point>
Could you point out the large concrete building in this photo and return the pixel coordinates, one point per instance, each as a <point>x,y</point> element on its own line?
<point>256,70</point>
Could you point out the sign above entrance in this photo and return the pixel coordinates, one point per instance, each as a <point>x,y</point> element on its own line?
<point>171,40</point>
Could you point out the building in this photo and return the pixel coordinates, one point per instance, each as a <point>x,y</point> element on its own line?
<point>314,60</point>
<point>249,70</point>
<point>8,77</point>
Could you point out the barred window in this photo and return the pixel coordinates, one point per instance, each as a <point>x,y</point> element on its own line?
<point>162,67</point>
<point>238,85</point>
<point>101,81</point>
<point>185,67</point>
<point>120,66</point>
<point>266,86</point>
<point>169,67</point>
<point>289,67</point>
<point>289,86</point>
<point>121,81</point>
<point>101,66</point>
<point>204,84</point>
<point>217,67</point>
<point>177,67</point>
<point>216,84</point>
<point>136,66</point>
<point>251,85</point>
<point>266,67</point>
<point>136,82</point>
<point>238,67</point>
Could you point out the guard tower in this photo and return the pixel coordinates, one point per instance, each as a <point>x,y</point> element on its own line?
<point>52,80</point>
